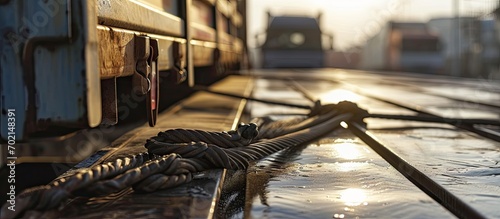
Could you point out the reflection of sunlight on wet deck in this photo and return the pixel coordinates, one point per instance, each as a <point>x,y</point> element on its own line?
<point>348,151</point>
<point>349,166</point>
<point>353,197</point>
<point>337,95</point>
<point>349,155</point>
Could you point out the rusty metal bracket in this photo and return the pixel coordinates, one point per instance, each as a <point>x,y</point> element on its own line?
<point>142,54</point>
<point>145,81</point>
<point>154,91</point>
<point>178,73</point>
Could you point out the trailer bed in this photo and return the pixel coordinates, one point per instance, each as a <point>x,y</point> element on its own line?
<point>436,169</point>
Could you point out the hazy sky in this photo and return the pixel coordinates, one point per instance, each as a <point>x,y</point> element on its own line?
<point>352,21</point>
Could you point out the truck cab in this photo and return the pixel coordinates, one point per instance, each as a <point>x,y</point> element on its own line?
<point>291,42</point>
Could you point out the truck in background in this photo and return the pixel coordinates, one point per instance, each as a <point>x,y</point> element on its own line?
<point>403,46</point>
<point>293,41</point>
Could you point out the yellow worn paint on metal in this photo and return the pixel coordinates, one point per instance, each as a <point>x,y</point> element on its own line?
<point>144,18</point>
<point>116,51</point>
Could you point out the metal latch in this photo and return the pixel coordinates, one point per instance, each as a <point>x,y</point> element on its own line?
<point>145,81</point>
<point>179,63</point>
<point>177,74</point>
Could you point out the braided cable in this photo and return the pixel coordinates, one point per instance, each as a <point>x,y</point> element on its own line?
<point>174,155</point>
<point>51,195</point>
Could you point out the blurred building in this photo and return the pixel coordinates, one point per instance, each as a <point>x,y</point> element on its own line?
<point>456,35</point>
<point>485,53</point>
<point>496,14</point>
<point>471,44</point>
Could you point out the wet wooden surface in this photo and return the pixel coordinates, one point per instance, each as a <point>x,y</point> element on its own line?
<point>196,199</point>
<point>341,176</point>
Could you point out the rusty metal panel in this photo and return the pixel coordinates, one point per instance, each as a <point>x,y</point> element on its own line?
<point>139,16</point>
<point>222,22</point>
<point>225,38</point>
<point>224,7</point>
<point>237,19</point>
<point>203,53</point>
<point>169,6</point>
<point>203,13</point>
<point>226,51</point>
<point>116,51</point>
<point>167,58</point>
<point>212,2</point>
<point>201,32</point>
<point>49,64</point>
<point>237,45</point>
<point>203,21</point>
<point>109,101</point>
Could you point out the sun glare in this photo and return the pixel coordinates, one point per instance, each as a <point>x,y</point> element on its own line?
<point>347,151</point>
<point>335,96</point>
<point>353,197</point>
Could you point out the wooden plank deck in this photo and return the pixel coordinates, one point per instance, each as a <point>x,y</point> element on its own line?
<point>340,175</point>
<point>465,164</point>
<point>196,199</point>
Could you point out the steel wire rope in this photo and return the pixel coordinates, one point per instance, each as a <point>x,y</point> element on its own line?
<point>423,115</point>
<point>168,163</point>
<point>174,155</point>
<point>446,198</point>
